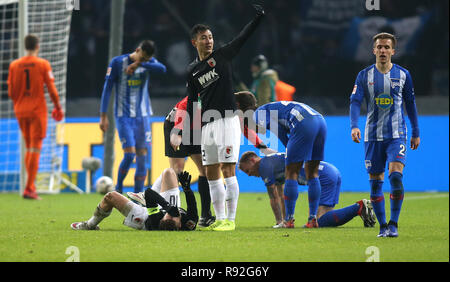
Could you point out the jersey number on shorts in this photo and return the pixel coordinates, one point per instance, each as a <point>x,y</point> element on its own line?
<point>402,150</point>
<point>173,200</point>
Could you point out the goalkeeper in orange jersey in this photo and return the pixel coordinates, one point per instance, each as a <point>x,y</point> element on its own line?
<point>26,79</point>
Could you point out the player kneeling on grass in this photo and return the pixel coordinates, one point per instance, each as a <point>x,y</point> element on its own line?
<point>151,211</point>
<point>272,171</point>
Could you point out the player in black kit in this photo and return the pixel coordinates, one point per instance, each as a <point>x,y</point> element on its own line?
<point>210,90</point>
<point>150,211</point>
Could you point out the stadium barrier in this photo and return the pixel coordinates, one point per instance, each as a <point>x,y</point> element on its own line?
<point>426,169</point>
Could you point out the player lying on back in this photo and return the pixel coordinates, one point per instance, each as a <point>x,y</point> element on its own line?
<point>155,212</point>
<point>271,169</point>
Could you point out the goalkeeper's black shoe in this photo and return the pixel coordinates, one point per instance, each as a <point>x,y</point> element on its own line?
<point>206,221</point>
<point>366,213</point>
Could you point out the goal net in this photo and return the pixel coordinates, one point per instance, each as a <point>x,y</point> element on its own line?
<point>50,21</point>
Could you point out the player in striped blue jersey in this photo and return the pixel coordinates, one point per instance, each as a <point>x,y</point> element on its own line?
<point>386,88</point>
<point>129,75</point>
<point>302,130</point>
<point>271,169</point>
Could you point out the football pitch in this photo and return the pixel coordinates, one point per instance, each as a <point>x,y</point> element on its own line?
<point>39,231</point>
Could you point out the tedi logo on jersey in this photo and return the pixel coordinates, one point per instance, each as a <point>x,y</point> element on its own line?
<point>208,78</point>
<point>384,101</point>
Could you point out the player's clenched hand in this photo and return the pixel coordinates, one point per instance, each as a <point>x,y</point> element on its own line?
<point>356,135</point>
<point>185,180</point>
<point>175,141</point>
<point>259,9</point>
<point>415,141</point>
<point>104,122</point>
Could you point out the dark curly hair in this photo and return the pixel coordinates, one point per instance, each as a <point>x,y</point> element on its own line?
<point>168,225</point>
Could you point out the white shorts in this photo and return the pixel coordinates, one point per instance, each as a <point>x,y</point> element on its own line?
<point>172,196</point>
<point>136,217</point>
<point>221,140</point>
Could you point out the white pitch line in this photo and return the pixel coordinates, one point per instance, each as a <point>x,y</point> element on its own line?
<point>426,197</point>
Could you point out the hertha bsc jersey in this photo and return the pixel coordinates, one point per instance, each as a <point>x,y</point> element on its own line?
<point>131,91</point>
<point>281,117</point>
<point>384,95</point>
<point>272,171</point>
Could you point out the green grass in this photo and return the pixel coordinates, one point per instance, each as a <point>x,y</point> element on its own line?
<point>40,231</point>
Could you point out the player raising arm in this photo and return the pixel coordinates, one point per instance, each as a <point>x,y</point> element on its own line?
<point>210,86</point>
<point>387,88</point>
<point>26,80</point>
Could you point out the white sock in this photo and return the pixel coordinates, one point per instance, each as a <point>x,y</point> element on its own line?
<point>217,191</point>
<point>98,216</point>
<point>157,185</point>
<point>232,196</point>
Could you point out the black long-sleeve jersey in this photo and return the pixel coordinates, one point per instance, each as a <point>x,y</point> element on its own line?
<point>189,217</point>
<point>210,81</point>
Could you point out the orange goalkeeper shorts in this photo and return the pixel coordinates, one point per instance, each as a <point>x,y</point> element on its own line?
<point>33,129</point>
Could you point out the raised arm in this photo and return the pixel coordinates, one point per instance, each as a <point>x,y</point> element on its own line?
<point>185,180</point>
<point>232,48</point>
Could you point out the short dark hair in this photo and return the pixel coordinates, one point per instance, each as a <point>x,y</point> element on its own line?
<point>385,35</point>
<point>148,46</point>
<point>246,100</point>
<point>196,29</point>
<point>31,42</point>
<point>168,225</point>
<point>246,157</point>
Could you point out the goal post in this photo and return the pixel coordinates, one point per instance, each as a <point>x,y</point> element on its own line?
<point>50,21</point>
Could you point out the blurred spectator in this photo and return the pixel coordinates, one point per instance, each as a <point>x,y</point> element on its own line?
<point>307,41</point>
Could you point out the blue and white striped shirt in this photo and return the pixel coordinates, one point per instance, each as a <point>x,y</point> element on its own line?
<point>132,97</point>
<point>385,95</point>
<point>280,117</point>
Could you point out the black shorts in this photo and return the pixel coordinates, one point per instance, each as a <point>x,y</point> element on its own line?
<point>184,150</point>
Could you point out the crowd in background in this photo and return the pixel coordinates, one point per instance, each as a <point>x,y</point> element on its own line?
<point>313,44</point>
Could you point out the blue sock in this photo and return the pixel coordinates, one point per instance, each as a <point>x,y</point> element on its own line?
<point>290,197</point>
<point>397,193</point>
<point>141,173</point>
<point>123,170</point>
<point>377,198</point>
<point>338,217</point>
<point>314,191</point>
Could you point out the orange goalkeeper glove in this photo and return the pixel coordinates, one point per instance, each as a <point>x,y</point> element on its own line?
<point>57,114</point>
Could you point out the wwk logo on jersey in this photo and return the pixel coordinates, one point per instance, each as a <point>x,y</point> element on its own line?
<point>208,78</point>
